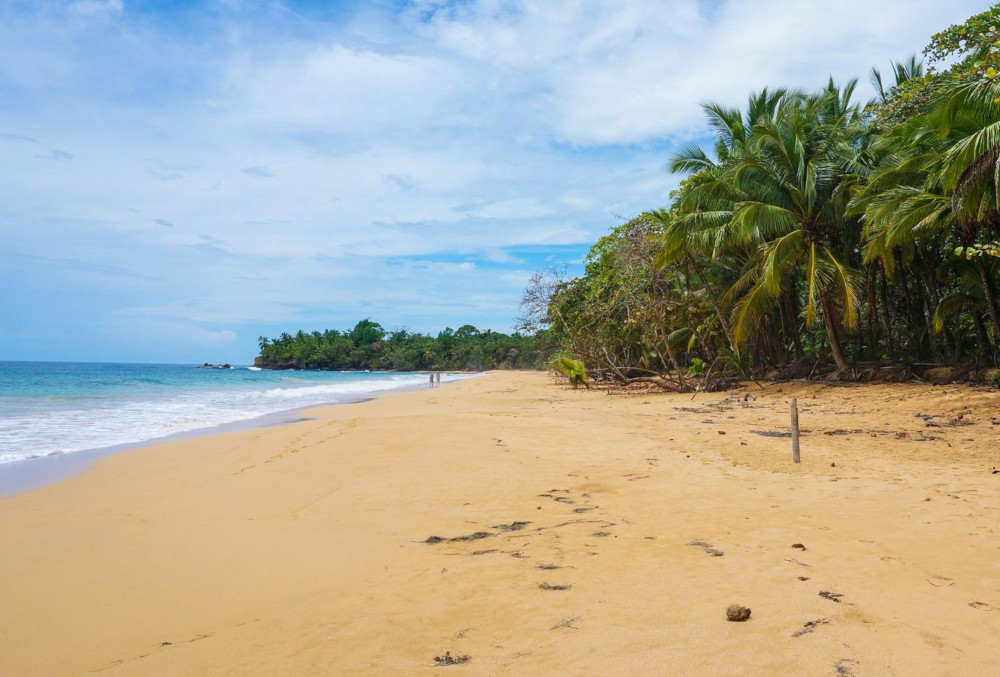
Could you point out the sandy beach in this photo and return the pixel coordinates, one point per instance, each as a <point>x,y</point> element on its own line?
<point>613,532</point>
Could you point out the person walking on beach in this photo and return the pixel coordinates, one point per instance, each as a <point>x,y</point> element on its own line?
<point>431,376</point>
<point>437,377</point>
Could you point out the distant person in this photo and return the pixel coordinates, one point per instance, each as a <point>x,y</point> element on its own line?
<point>431,376</point>
<point>437,378</point>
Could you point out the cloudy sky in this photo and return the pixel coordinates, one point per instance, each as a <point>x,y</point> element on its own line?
<point>179,177</point>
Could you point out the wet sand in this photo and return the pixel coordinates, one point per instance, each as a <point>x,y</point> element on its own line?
<point>612,532</point>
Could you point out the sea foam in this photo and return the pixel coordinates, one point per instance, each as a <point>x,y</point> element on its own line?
<point>93,406</point>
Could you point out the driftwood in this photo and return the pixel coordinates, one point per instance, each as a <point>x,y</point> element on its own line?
<point>659,382</point>
<point>795,433</point>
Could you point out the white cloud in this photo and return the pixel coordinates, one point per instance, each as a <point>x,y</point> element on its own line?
<point>260,168</point>
<point>513,208</point>
<point>632,70</point>
<point>341,90</point>
<point>96,8</point>
<point>215,337</point>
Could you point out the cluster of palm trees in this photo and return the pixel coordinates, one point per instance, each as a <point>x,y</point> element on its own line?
<point>820,225</point>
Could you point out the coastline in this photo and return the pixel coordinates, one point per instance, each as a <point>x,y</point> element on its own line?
<point>33,473</point>
<point>39,471</point>
<point>299,550</point>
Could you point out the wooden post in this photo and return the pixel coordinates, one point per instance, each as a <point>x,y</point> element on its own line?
<point>795,431</point>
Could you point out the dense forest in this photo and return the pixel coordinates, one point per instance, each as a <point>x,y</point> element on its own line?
<point>816,235</point>
<point>369,346</point>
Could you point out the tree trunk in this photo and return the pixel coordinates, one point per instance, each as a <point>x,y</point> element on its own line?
<point>673,356</point>
<point>984,340</point>
<point>710,292</point>
<point>677,365</point>
<point>991,304</point>
<point>910,307</point>
<point>935,298</point>
<point>925,306</point>
<point>830,320</point>
<point>792,319</point>
<point>888,314</point>
<point>871,312</point>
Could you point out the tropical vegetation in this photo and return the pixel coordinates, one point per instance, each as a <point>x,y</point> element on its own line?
<point>370,346</point>
<point>816,233</point>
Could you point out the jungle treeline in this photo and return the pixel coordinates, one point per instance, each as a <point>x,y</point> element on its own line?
<point>369,346</point>
<point>817,234</point>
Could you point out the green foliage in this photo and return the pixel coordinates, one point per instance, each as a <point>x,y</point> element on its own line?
<point>572,369</point>
<point>977,40</point>
<point>369,346</point>
<point>698,367</point>
<point>813,227</point>
<point>976,249</point>
<point>969,52</point>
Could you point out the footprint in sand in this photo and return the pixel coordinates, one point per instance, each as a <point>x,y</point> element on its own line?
<point>982,605</point>
<point>940,581</point>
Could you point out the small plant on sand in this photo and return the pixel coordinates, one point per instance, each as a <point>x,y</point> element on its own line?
<point>571,369</point>
<point>698,367</point>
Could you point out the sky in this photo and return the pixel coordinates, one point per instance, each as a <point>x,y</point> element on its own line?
<point>180,177</point>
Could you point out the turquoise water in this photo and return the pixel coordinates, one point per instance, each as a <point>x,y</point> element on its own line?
<point>51,408</point>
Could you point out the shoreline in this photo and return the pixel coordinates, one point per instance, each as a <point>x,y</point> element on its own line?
<point>32,473</point>
<point>574,533</point>
<point>39,471</point>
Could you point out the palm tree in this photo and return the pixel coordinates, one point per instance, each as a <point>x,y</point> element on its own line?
<point>698,227</point>
<point>969,297</point>
<point>911,69</point>
<point>940,176</point>
<point>794,210</point>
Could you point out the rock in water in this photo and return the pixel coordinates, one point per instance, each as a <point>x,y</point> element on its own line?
<point>737,613</point>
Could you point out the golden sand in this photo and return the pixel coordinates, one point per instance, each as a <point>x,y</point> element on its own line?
<point>300,550</point>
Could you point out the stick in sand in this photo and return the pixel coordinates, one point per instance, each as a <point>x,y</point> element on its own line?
<point>795,431</point>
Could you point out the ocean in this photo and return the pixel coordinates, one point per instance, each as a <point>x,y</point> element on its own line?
<point>59,408</point>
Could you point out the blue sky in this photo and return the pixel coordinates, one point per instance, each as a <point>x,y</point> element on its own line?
<point>178,178</point>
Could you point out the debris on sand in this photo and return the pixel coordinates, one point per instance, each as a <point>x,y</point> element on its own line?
<point>471,537</point>
<point>771,433</point>
<point>513,526</point>
<point>844,667</point>
<point>737,613</point>
<point>568,623</point>
<point>448,659</point>
<point>561,499</point>
<point>546,586</point>
<point>832,596</point>
<point>707,547</point>
<point>799,546</point>
<point>810,626</point>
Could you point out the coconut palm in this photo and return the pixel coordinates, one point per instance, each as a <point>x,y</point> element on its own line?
<point>794,210</point>
<point>940,176</point>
